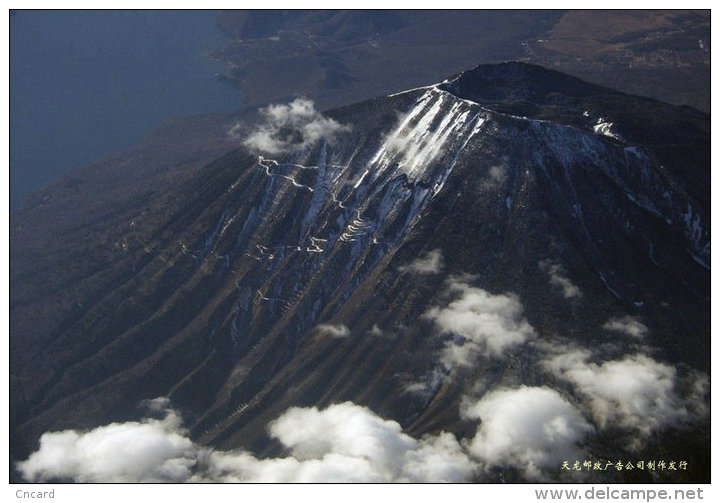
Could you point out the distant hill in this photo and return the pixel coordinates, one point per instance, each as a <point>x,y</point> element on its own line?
<point>339,57</point>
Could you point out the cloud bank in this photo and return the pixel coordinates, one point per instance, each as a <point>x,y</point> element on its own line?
<point>152,450</point>
<point>292,127</point>
<point>529,428</point>
<point>634,392</point>
<point>430,263</point>
<point>342,443</point>
<point>482,324</point>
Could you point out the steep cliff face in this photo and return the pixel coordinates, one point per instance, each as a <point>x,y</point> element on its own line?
<point>423,248</point>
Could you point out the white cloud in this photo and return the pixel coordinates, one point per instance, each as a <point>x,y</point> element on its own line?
<point>292,127</point>
<point>430,263</point>
<point>633,392</point>
<point>152,450</point>
<point>429,385</point>
<point>627,325</point>
<point>159,404</point>
<point>376,331</point>
<point>530,428</point>
<point>234,131</point>
<point>354,432</point>
<point>497,174</point>
<point>336,331</point>
<point>558,278</point>
<point>342,443</point>
<point>482,324</point>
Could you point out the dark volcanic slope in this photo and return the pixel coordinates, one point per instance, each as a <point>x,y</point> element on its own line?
<point>583,204</point>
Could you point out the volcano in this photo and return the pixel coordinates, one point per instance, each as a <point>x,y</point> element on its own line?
<point>451,258</point>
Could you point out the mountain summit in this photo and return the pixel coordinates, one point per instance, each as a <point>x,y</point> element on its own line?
<point>511,239</point>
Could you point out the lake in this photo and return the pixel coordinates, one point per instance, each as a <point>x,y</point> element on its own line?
<point>86,83</point>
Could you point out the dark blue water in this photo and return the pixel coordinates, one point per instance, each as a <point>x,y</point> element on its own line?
<point>85,83</point>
